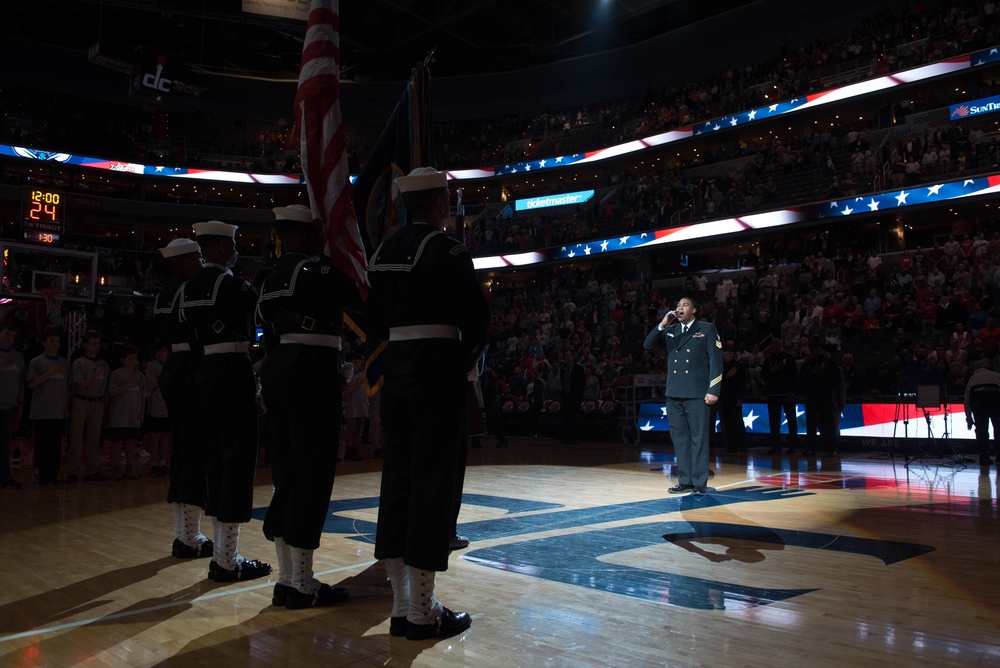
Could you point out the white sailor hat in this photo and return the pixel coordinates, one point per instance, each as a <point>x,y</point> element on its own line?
<point>180,247</point>
<point>215,228</point>
<point>296,212</point>
<point>422,178</point>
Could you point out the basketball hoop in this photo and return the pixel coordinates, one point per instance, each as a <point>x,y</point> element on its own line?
<point>53,301</point>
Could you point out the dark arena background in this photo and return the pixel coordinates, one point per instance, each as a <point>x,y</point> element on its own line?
<point>822,178</point>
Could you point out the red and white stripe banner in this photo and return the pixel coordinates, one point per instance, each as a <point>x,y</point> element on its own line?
<point>322,143</point>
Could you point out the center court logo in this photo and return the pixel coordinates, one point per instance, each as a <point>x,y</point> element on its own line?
<point>586,558</point>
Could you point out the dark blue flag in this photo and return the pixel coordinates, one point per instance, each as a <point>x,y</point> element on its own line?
<point>405,144</point>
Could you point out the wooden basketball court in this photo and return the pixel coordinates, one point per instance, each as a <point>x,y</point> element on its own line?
<point>579,558</point>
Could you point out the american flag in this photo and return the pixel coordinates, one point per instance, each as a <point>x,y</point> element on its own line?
<point>322,144</point>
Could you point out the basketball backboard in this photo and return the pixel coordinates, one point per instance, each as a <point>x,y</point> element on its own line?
<point>28,269</point>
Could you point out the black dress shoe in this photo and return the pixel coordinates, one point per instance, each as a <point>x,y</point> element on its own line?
<point>182,551</point>
<point>279,596</point>
<point>72,479</point>
<point>10,483</point>
<point>397,626</point>
<point>213,568</point>
<point>94,477</point>
<point>326,595</point>
<point>248,570</point>
<point>449,624</point>
<point>458,542</point>
<point>699,490</point>
<point>681,489</point>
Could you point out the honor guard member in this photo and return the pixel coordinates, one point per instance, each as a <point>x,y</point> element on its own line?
<point>694,382</point>
<point>982,406</point>
<point>188,490</point>
<point>301,312</point>
<point>219,307</point>
<point>425,297</point>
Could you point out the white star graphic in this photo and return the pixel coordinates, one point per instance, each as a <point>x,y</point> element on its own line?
<point>716,126</point>
<point>752,115</point>
<point>664,409</point>
<point>587,250</point>
<point>541,163</point>
<point>604,245</point>
<point>859,199</point>
<point>773,107</point>
<point>732,121</point>
<point>527,168</point>
<point>559,159</point>
<point>873,205</point>
<point>967,182</point>
<point>622,241</point>
<point>795,100</point>
<point>159,169</point>
<point>748,419</point>
<point>572,254</point>
<point>513,170</point>
<point>901,198</point>
<point>798,414</point>
<point>833,205</point>
<point>647,426</point>
<point>993,52</point>
<point>980,62</point>
<point>847,211</point>
<point>708,124</point>
<point>933,190</point>
<point>563,249</point>
<point>643,235</point>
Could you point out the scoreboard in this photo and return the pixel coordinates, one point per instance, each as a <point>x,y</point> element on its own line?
<point>42,214</point>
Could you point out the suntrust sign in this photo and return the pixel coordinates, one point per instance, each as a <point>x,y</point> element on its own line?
<point>986,105</point>
<point>565,199</point>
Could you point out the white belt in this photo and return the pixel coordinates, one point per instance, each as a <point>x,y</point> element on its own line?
<point>231,347</point>
<point>324,340</point>
<point>180,347</point>
<point>414,332</point>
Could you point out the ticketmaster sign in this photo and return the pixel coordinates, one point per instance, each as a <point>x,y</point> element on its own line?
<point>986,105</point>
<point>566,199</point>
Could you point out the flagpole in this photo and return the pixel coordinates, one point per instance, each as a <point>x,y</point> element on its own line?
<point>459,217</point>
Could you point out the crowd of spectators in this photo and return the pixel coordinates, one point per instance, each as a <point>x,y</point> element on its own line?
<point>807,166</point>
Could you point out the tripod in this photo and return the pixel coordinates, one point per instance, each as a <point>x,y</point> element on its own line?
<point>902,413</point>
<point>929,397</point>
